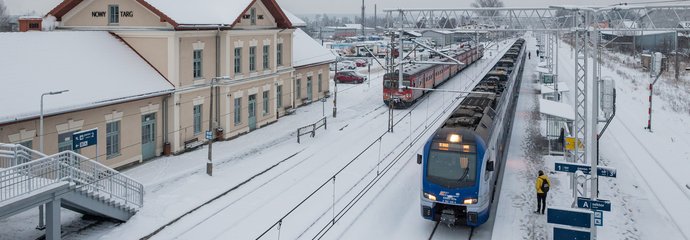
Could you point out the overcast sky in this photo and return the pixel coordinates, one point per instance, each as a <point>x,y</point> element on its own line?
<point>18,7</point>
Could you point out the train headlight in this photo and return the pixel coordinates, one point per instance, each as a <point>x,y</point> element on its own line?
<point>470,201</point>
<point>430,196</point>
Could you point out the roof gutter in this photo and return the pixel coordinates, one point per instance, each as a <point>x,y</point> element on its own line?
<point>95,105</point>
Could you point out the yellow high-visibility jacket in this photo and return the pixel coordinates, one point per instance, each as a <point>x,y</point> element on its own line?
<point>540,180</point>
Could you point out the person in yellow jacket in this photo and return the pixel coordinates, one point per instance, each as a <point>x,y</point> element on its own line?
<point>543,184</point>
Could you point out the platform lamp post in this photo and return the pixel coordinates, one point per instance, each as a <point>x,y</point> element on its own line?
<point>41,222</point>
<point>209,134</point>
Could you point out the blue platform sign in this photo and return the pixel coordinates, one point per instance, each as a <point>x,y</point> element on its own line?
<point>598,218</point>
<point>573,217</point>
<point>606,172</point>
<point>84,139</point>
<point>209,135</point>
<point>570,234</point>
<point>595,205</point>
<point>572,167</point>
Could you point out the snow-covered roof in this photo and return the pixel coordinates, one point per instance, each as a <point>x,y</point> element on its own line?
<point>201,11</point>
<point>307,51</point>
<point>95,67</point>
<point>445,32</point>
<point>549,88</point>
<point>296,21</point>
<point>556,109</point>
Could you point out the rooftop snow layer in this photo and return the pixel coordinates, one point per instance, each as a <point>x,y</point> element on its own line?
<point>556,109</point>
<point>204,12</point>
<point>307,51</point>
<point>296,21</point>
<point>95,67</point>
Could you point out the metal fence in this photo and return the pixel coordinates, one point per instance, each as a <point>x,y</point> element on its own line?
<point>311,129</point>
<point>80,172</point>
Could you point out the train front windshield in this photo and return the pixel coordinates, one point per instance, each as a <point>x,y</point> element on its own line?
<point>452,169</point>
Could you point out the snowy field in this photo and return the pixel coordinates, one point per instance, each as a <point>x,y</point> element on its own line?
<point>261,177</point>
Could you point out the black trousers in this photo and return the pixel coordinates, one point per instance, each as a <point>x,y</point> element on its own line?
<point>541,202</point>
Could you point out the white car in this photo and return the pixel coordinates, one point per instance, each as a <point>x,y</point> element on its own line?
<point>343,65</point>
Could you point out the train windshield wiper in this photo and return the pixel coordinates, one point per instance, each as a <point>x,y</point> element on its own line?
<point>464,174</point>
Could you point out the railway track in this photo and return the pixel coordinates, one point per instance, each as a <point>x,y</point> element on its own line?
<point>467,234</point>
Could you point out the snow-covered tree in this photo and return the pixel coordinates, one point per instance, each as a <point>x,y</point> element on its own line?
<point>4,18</point>
<point>488,4</point>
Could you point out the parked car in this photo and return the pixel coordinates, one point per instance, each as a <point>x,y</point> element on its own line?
<point>348,64</point>
<point>349,77</point>
<point>343,65</point>
<point>361,63</point>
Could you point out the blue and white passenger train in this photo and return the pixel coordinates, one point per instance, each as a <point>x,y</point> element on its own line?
<point>461,161</point>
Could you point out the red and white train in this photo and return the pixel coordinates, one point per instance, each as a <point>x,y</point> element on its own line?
<point>426,76</point>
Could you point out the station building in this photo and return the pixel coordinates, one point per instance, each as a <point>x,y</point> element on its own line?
<point>246,46</point>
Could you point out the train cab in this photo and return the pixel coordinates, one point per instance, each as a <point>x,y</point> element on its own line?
<point>451,175</point>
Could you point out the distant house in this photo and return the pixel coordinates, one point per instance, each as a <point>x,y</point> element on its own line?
<point>347,30</point>
<point>440,37</point>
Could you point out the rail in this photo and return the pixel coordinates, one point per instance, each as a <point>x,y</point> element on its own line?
<point>15,154</point>
<point>80,172</point>
<point>311,128</point>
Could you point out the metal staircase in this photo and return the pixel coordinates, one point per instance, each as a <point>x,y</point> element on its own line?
<point>29,179</point>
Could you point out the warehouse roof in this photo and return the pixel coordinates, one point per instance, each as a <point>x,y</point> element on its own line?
<point>96,67</point>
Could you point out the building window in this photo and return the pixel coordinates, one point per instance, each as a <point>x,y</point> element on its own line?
<point>65,142</point>
<point>279,54</point>
<point>279,93</point>
<point>238,60</point>
<point>113,14</point>
<point>197,64</point>
<point>298,88</point>
<point>252,15</point>
<point>265,53</point>
<point>112,139</point>
<point>238,111</point>
<point>197,119</point>
<point>28,144</point>
<point>320,84</point>
<point>252,59</point>
<point>265,102</point>
<point>33,25</point>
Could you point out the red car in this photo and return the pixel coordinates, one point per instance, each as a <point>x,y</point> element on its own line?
<point>361,63</point>
<point>349,77</point>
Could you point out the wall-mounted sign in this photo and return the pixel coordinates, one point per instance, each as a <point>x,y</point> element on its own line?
<point>124,14</point>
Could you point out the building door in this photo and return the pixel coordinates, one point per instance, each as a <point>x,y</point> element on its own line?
<point>252,112</point>
<point>309,88</point>
<point>148,136</point>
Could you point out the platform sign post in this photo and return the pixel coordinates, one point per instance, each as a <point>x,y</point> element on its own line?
<point>84,139</point>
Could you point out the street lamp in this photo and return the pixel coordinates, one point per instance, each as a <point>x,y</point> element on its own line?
<point>209,133</point>
<point>41,222</point>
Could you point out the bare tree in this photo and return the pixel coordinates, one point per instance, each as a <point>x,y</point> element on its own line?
<point>488,4</point>
<point>4,18</point>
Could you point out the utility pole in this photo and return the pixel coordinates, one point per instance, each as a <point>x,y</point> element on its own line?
<point>362,22</point>
<point>209,134</point>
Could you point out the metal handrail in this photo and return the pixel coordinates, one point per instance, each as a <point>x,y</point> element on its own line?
<point>82,173</point>
<point>15,154</point>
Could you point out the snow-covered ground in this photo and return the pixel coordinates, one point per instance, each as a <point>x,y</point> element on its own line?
<point>260,177</point>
